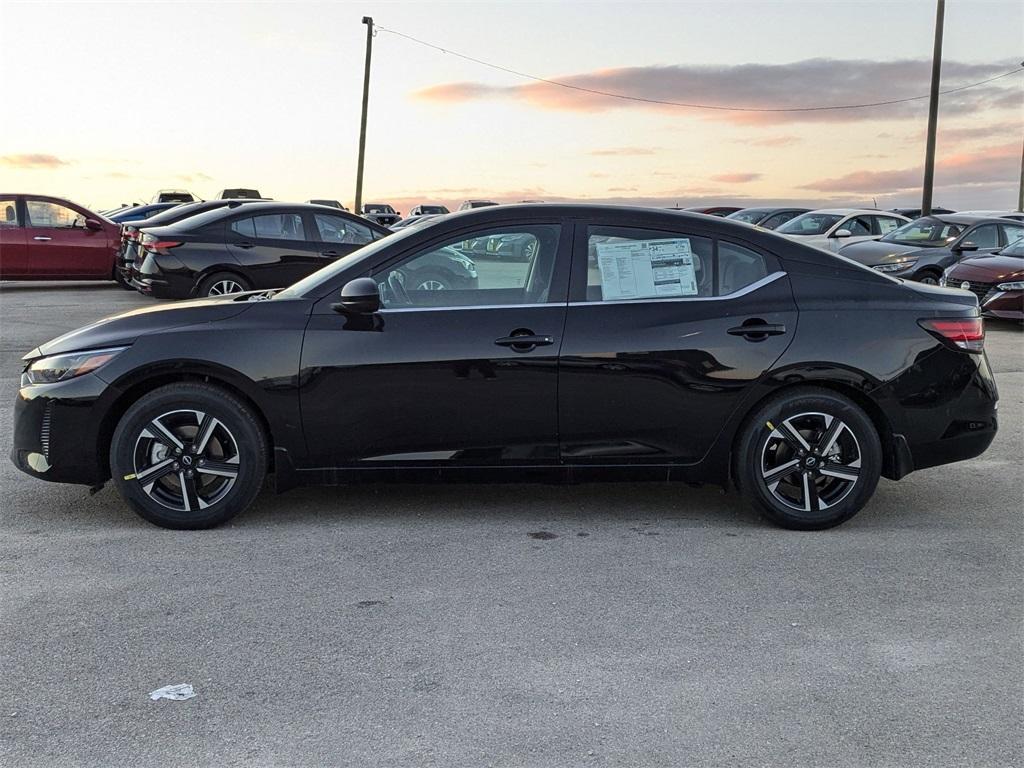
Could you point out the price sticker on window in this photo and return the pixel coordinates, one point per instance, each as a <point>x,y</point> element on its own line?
<point>645,269</point>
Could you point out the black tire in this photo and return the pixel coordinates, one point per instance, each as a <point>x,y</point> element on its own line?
<point>837,487</point>
<point>237,444</point>
<point>214,285</point>
<point>929,277</point>
<point>120,279</point>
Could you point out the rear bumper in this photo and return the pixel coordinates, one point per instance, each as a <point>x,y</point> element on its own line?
<point>952,418</point>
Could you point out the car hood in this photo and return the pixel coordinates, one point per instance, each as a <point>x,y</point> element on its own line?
<point>128,326</point>
<point>988,268</point>
<point>871,252</point>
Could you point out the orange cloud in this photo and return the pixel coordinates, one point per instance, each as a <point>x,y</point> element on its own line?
<point>32,161</point>
<point>796,85</point>
<point>993,165</point>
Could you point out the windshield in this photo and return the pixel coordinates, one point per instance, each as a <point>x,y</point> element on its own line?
<point>376,208</point>
<point>926,233</point>
<point>749,216</point>
<point>810,224</point>
<point>309,284</point>
<point>1016,248</point>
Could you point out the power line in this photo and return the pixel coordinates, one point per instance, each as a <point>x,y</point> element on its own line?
<point>627,97</point>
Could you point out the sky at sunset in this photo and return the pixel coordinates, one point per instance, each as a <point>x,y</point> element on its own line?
<point>108,102</point>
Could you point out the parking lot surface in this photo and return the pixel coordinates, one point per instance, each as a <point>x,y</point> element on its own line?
<point>640,625</point>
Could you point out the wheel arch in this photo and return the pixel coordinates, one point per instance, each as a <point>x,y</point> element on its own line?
<point>891,460</point>
<point>139,383</point>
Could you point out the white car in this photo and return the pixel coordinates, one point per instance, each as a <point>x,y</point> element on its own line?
<point>832,228</point>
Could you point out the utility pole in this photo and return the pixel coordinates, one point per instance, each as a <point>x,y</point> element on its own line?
<point>368,21</point>
<point>933,112</point>
<point>1020,193</point>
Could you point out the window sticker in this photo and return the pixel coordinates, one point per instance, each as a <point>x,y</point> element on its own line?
<point>644,269</point>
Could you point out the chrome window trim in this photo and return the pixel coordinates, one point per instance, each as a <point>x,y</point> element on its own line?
<point>471,306</point>
<point>735,295</point>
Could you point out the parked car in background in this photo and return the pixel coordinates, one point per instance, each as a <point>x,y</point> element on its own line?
<point>240,193</point>
<point>997,279</point>
<point>915,213</point>
<point>428,210</point>
<point>755,362</point>
<point>174,196</point>
<point>832,228</point>
<point>923,249</point>
<point>259,245</point>
<point>1015,215</point>
<point>414,221</point>
<point>766,218</point>
<point>139,212</point>
<point>713,210</point>
<point>129,254</point>
<point>329,203</point>
<point>50,238</point>
<point>381,213</point>
<point>469,205</point>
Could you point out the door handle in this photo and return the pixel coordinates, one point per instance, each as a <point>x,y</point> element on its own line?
<point>42,238</point>
<point>245,245</point>
<point>524,341</point>
<point>757,330</point>
<point>330,254</point>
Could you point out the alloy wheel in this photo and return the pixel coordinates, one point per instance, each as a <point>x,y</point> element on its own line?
<point>223,287</point>
<point>431,285</point>
<point>810,462</point>
<point>186,460</point>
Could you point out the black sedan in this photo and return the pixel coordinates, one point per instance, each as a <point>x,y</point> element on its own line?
<point>232,249</point>
<point>633,345</point>
<point>130,256</point>
<point>921,250</point>
<point>766,218</point>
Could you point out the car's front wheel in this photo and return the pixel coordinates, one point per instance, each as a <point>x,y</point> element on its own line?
<point>808,459</point>
<point>188,456</point>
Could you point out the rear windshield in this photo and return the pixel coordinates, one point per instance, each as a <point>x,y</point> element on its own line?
<point>751,216</point>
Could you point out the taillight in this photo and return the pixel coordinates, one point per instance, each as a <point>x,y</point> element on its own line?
<point>150,243</point>
<point>132,234</point>
<point>967,333</point>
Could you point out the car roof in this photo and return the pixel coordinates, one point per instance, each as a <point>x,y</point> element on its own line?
<point>965,218</point>
<point>848,211</point>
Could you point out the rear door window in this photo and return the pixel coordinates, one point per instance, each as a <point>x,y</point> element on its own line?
<point>1011,233</point>
<point>279,226</point>
<point>8,213</point>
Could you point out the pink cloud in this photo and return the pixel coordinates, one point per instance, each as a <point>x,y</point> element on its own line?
<point>736,178</point>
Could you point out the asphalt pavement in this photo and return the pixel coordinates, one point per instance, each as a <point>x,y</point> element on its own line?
<point>618,625</point>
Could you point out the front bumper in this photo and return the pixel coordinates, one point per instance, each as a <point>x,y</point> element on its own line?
<point>57,430</point>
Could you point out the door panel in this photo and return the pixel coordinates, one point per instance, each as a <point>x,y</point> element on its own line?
<point>431,386</point>
<point>652,381</point>
<point>276,249</point>
<point>14,263</point>
<point>60,246</point>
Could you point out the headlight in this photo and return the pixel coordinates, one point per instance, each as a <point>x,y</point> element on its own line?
<point>1016,286</point>
<point>896,266</point>
<point>63,367</point>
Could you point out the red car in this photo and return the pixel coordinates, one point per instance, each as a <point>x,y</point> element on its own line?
<point>49,238</point>
<point>997,279</point>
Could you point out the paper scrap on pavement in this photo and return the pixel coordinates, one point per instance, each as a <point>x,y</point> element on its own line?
<point>178,692</point>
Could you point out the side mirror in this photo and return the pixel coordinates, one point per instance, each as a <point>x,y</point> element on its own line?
<point>967,246</point>
<point>93,224</point>
<point>843,233</point>
<point>359,297</point>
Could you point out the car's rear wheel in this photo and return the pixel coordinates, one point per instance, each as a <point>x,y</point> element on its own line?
<point>188,456</point>
<point>222,284</point>
<point>808,459</point>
